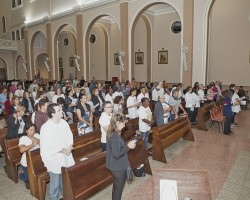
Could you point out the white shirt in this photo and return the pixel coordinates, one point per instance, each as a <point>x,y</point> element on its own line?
<point>201,94</point>
<point>22,124</point>
<point>144,113</point>
<point>166,98</point>
<point>53,138</point>
<point>132,112</point>
<point>19,93</point>
<point>155,95</point>
<point>104,121</point>
<point>140,96</point>
<point>189,100</point>
<point>26,141</point>
<point>196,99</point>
<point>55,97</point>
<point>109,98</point>
<point>117,94</point>
<point>235,108</point>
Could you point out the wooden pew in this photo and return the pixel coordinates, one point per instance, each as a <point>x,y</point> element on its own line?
<point>3,133</point>
<point>12,158</point>
<point>167,134</point>
<point>204,115</point>
<point>84,146</point>
<point>86,178</point>
<point>38,175</point>
<point>92,175</point>
<point>132,124</point>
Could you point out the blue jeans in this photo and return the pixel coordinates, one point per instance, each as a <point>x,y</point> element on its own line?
<point>145,138</point>
<point>55,186</point>
<point>24,176</point>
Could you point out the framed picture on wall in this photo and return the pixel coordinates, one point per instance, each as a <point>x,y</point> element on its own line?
<point>139,57</point>
<point>116,59</point>
<point>163,57</point>
<point>60,62</point>
<point>71,61</point>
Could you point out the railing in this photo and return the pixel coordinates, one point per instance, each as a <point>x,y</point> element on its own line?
<point>8,45</point>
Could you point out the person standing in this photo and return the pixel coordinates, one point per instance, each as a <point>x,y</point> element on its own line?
<point>56,143</point>
<point>104,122</point>
<point>227,112</point>
<point>159,112</point>
<point>132,104</point>
<point>41,115</point>
<point>117,154</point>
<point>145,120</point>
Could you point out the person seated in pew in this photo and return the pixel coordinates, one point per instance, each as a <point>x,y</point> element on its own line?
<point>117,154</point>
<point>16,123</point>
<point>56,144</point>
<point>145,120</point>
<point>84,115</point>
<point>104,122</point>
<point>29,142</point>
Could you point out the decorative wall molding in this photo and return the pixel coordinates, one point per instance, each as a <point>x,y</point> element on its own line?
<point>8,45</point>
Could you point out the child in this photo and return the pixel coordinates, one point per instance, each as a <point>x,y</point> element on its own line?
<point>29,142</point>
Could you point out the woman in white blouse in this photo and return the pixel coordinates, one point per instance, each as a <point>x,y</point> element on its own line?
<point>132,104</point>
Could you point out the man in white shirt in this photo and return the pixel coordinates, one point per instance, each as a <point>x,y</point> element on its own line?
<point>56,143</point>
<point>142,94</point>
<point>156,93</point>
<point>108,96</point>
<point>117,93</point>
<point>104,122</point>
<point>145,120</point>
<point>19,92</point>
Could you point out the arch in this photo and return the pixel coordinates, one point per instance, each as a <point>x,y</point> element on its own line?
<point>22,34</point>
<point>13,35</point>
<point>86,36</point>
<point>39,62</point>
<point>17,34</point>
<point>206,40</point>
<point>132,25</point>
<point>20,73</point>
<point>149,51</point>
<point>32,56</point>
<point>4,24</point>
<point>3,70</point>
<point>56,51</point>
<point>13,3</point>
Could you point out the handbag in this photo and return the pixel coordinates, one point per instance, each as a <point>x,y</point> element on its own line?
<point>130,175</point>
<point>139,171</point>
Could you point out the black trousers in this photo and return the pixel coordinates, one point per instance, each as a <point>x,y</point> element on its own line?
<point>233,117</point>
<point>119,178</point>
<point>227,125</point>
<point>191,114</point>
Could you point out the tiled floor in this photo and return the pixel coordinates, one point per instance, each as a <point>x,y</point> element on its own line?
<point>226,158</point>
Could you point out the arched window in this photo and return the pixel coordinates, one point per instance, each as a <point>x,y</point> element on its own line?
<point>22,34</point>
<point>4,24</point>
<point>13,35</point>
<point>17,35</point>
<point>19,2</point>
<point>13,3</point>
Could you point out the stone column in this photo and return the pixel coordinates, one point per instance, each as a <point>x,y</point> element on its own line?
<point>79,43</point>
<point>124,38</point>
<point>188,40</point>
<point>50,54</point>
<point>27,54</point>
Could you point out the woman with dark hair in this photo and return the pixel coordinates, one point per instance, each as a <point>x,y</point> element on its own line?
<point>28,102</point>
<point>190,104</point>
<point>227,112</point>
<point>29,142</point>
<point>57,95</point>
<point>132,104</point>
<point>61,103</point>
<point>7,104</point>
<point>16,123</point>
<point>15,101</point>
<point>84,115</point>
<point>70,104</point>
<point>97,101</point>
<point>118,103</point>
<point>117,154</point>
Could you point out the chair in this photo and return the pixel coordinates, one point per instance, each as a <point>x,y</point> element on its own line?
<point>217,119</point>
<point>218,113</point>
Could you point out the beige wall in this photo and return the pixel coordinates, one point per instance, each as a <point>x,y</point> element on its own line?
<point>65,52</point>
<point>230,42</point>
<point>140,43</point>
<point>21,73</point>
<point>44,74</point>
<point>170,42</point>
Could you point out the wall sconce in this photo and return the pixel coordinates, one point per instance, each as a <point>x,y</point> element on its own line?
<point>25,66</point>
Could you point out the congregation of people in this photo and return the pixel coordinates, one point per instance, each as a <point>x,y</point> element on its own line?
<point>40,116</point>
